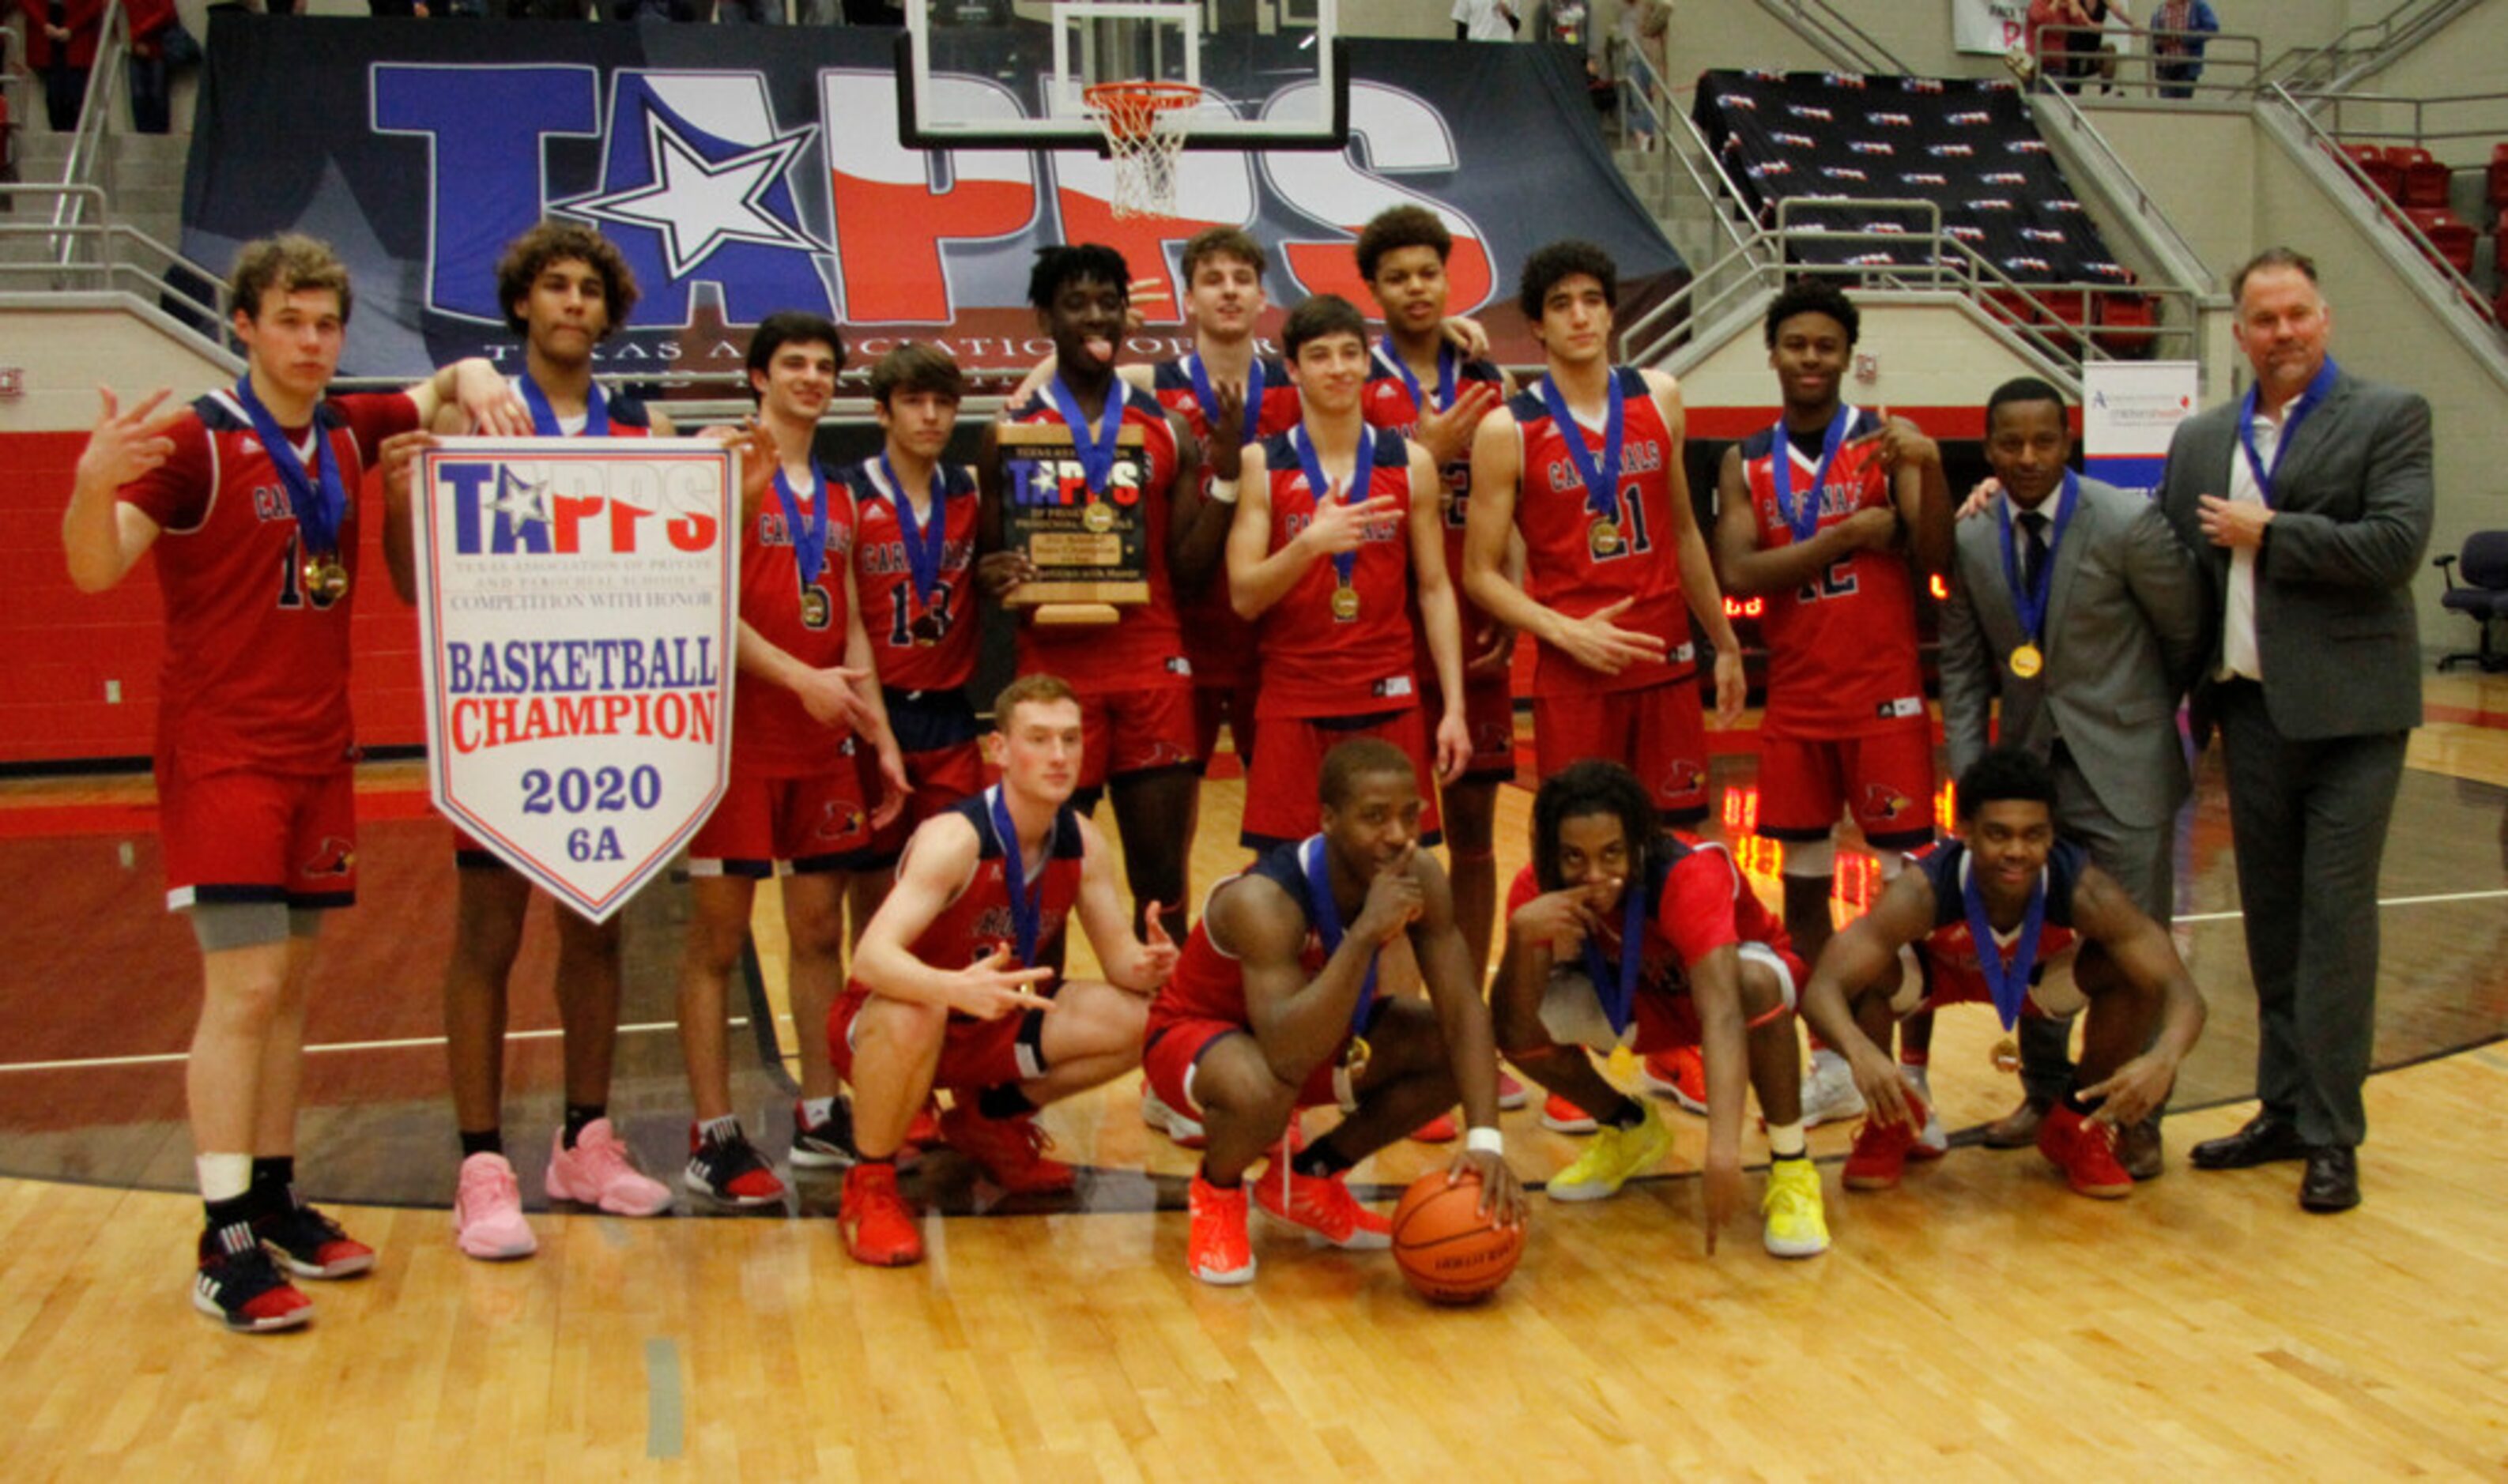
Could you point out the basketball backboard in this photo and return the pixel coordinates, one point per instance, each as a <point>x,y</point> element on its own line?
<point>973,74</point>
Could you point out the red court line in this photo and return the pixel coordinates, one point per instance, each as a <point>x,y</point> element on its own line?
<point>2461,715</point>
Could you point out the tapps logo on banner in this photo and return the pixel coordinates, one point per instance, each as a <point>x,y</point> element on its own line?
<point>578,608</point>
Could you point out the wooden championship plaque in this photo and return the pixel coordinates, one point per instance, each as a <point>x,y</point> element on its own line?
<point>1091,552</point>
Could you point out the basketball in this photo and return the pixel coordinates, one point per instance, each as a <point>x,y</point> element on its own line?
<point>1449,1250</point>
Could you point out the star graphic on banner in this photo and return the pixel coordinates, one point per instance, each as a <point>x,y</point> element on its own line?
<point>520,502</point>
<point>698,204</point>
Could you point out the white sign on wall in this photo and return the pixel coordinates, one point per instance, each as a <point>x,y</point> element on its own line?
<point>579,605</point>
<point>2129,412</point>
<point>1990,27</point>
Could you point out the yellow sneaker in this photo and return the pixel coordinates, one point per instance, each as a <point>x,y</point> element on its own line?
<point>1614,1155</point>
<point>1796,1226</point>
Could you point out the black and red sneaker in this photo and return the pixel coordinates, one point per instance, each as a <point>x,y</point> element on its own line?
<point>311,1245</point>
<point>241,1289</point>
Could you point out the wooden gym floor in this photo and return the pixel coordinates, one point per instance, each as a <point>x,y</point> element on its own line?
<point>1979,1322</point>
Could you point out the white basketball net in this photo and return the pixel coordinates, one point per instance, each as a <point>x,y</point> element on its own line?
<point>1145,134</point>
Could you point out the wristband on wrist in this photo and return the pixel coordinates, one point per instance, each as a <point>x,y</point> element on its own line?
<point>1484,1141</point>
<point>1223,491</point>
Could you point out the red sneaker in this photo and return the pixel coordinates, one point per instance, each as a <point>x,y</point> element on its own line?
<point>1561,1116</point>
<point>878,1230</point>
<point>1011,1151</point>
<point>1510,1091</point>
<point>1880,1154</point>
<point>2084,1150</point>
<point>1440,1130</point>
<point>1324,1207</point>
<point>240,1287</point>
<point>1679,1074</point>
<point>1218,1251</point>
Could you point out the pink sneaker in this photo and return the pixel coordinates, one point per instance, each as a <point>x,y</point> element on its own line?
<point>488,1212</point>
<point>600,1171</point>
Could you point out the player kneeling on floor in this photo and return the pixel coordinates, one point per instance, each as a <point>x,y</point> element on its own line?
<point>1618,934</point>
<point>1273,1007</point>
<point>2005,878</point>
<point>988,886</point>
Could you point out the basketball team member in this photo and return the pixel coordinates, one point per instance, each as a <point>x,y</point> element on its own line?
<point>1335,529</point>
<point>1833,517</point>
<point>1587,466</point>
<point>952,985</point>
<point>564,288</point>
<point>2006,880</point>
<point>244,496</point>
<point>1620,934</point>
<point>1133,682</point>
<point>1419,386</point>
<point>1273,1007</point>
<point>808,701</point>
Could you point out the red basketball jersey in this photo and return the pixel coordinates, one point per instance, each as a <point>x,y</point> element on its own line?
<point>256,666</point>
<point>1144,649</point>
<point>1951,964</point>
<point>772,733</point>
<point>1388,404</point>
<point>1218,643</point>
<point>1570,564</point>
<point>921,645</point>
<point>1211,985</point>
<point>1697,901</point>
<point>1842,656</point>
<point>972,928</point>
<point>1318,662</point>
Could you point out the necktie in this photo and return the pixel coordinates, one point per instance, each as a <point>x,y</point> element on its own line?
<point>2033,547</point>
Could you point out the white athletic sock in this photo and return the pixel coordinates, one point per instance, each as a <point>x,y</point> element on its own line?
<point>223,1176</point>
<point>817,1111</point>
<point>727,1126</point>
<point>1785,1139</point>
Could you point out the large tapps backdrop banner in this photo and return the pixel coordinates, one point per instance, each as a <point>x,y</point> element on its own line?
<point>745,170</point>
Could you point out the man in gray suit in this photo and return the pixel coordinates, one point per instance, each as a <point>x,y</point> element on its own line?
<point>2074,603</point>
<point>2308,508</point>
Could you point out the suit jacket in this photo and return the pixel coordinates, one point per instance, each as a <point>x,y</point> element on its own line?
<point>2123,636</point>
<point>2336,630</point>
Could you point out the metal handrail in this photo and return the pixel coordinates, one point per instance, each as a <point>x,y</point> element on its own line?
<point>2420,134</point>
<point>2331,148</point>
<point>2147,213</point>
<point>118,257</point>
<point>89,159</point>
<point>1721,191</point>
<point>2232,52</point>
<point>1819,24</point>
<point>2393,28</point>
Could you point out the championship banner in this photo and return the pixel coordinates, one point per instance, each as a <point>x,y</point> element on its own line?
<point>746,169</point>
<point>2129,412</point>
<point>1989,26</point>
<point>578,608</point>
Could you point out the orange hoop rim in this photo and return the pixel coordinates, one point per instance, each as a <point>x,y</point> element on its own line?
<point>1131,109</point>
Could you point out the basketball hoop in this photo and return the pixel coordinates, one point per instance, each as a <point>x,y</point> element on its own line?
<point>1145,129</point>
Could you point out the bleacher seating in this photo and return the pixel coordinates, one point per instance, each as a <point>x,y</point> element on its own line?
<point>2383,173</point>
<point>2498,180</point>
<point>2423,184</point>
<point>2451,234</point>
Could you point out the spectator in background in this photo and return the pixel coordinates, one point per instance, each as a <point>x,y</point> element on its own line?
<point>1485,20</point>
<point>2058,53</point>
<point>2179,30</point>
<point>61,43</point>
<point>151,105</point>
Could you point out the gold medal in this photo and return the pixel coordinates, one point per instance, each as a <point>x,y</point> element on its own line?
<point>815,607</point>
<point>327,579</point>
<point>2026,662</point>
<point>1353,1057</point>
<point>2006,1055</point>
<point>1099,516</point>
<point>1605,537</point>
<point>1345,604</point>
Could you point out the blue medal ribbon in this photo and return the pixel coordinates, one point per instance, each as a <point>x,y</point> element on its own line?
<point>1208,396</point>
<point>1601,480</point>
<point>1027,897</point>
<point>1447,363</point>
<point>544,421</point>
<point>922,545</point>
<point>2030,601</point>
<point>810,540</point>
<point>1310,854</point>
<point>2007,982</point>
<point>1094,446</point>
<point>2320,387</point>
<point>319,500</point>
<point>1362,478</point>
<point>1620,1003</point>
<point>1804,521</point>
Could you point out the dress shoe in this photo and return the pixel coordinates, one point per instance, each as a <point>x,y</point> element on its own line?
<point>2018,1128</point>
<point>2264,1139</point>
<point>2333,1180</point>
<point>2138,1149</point>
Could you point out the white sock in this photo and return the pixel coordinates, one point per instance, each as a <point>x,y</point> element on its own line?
<point>1785,1139</point>
<point>223,1176</point>
<point>818,1110</point>
<point>727,1126</point>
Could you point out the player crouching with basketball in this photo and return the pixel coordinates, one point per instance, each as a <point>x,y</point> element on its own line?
<point>988,886</point>
<point>1618,934</point>
<point>2005,878</point>
<point>1273,1007</point>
